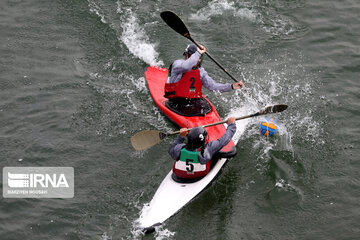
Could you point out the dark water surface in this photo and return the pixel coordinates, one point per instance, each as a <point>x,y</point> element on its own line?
<point>73,93</point>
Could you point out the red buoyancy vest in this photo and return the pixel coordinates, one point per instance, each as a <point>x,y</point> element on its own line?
<point>189,86</point>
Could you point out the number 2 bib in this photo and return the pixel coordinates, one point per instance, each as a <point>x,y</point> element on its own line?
<point>189,86</point>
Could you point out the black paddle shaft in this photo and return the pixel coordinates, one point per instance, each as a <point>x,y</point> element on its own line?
<point>271,109</point>
<point>178,26</point>
<point>216,62</point>
<point>148,138</point>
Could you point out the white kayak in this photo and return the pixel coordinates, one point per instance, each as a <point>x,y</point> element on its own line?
<point>172,196</point>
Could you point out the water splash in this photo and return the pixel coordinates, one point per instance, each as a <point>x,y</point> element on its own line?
<point>95,8</point>
<point>162,234</point>
<point>133,34</point>
<point>219,7</point>
<point>135,37</point>
<point>140,84</point>
<point>282,184</point>
<point>214,8</point>
<point>105,236</point>
<point>263,14</point>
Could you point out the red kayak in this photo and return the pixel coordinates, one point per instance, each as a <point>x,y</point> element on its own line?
<point>156,78</point>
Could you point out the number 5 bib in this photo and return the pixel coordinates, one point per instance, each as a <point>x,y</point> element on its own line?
<point>188,166</point>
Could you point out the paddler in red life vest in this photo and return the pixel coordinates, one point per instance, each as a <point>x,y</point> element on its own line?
<point>193,159</point>
<point>186,77</point>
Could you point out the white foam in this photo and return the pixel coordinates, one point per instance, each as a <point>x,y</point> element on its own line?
<point>247,14</point>
<point>104,236</point>
<point>140,84</point>
<point>282,184</point>
<point>136,230</point>
<point>94,8</point>
<point>135,38</point>
<point>133,35</point>
<point>161,233</point>
<point>279,25</point>
<point>241,125</point>
<point>214,8</point>
<point>266,17</point>
<point>219,7</point>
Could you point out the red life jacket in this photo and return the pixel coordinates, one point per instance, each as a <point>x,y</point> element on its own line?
<point>189,86</point>
<point>188,165</point>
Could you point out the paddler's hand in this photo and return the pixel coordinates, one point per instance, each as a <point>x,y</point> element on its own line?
<point>184,132</point>
<point>238,85</point>
<point>230,120</point>
<point>201,50</point>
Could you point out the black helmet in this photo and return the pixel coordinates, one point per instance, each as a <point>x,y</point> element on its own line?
<point>196,138</point>
<point>190,50</point>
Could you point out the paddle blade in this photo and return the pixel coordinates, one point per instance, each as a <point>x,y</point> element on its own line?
<point>175,23</point>
<point>146,139</point>
<point>274,109</point>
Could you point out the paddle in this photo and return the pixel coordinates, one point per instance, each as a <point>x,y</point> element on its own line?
<point>178,25</point>
<point>148,138</point>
